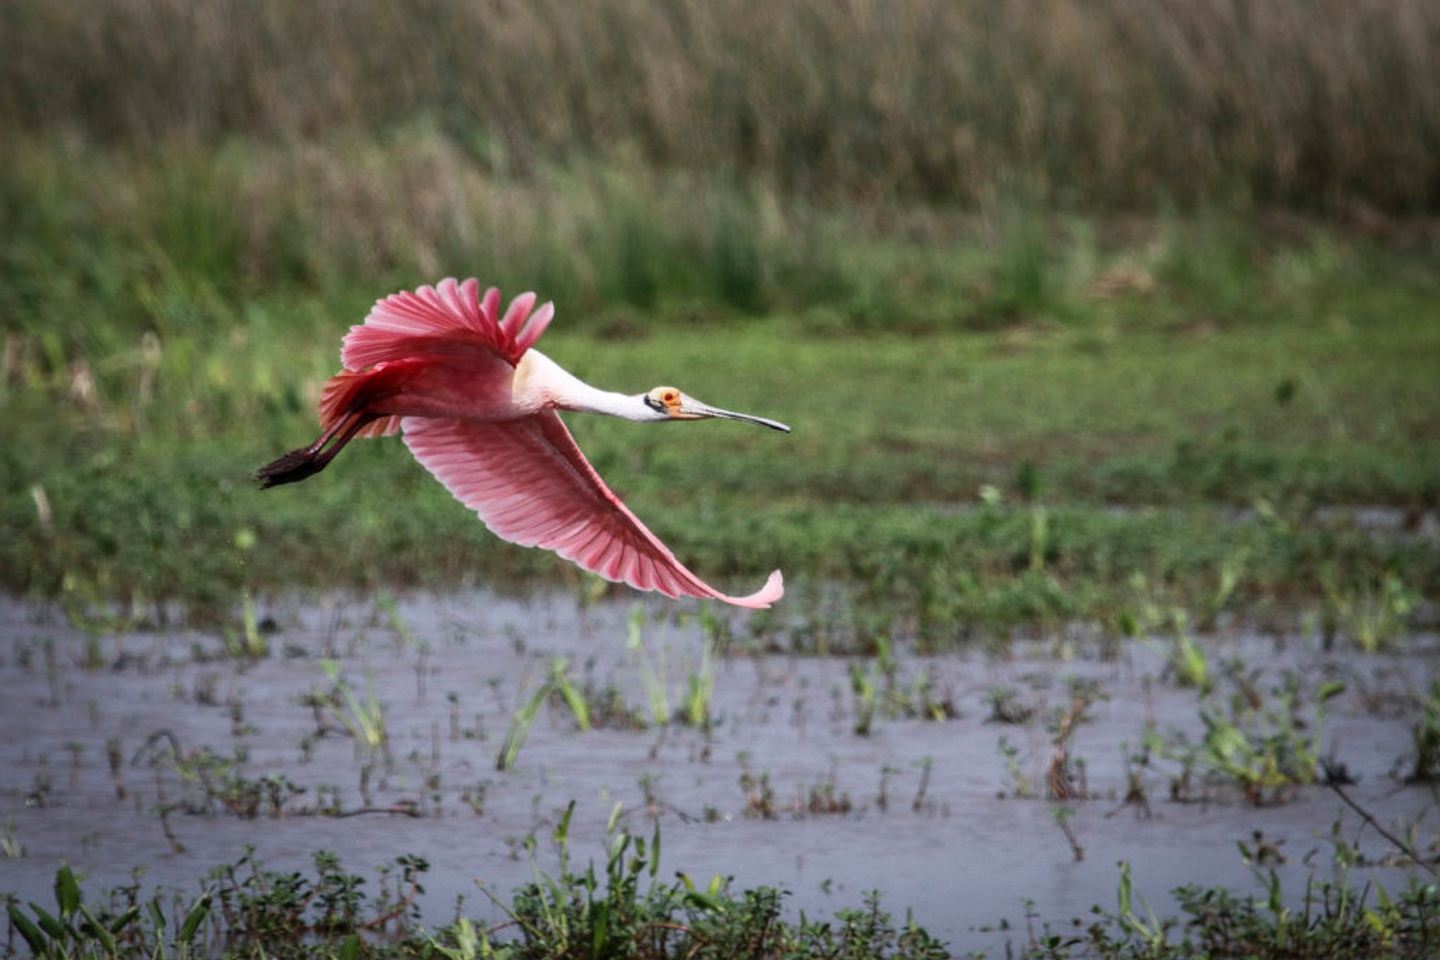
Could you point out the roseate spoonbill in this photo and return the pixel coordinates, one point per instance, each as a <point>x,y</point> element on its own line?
<point>478,408</point>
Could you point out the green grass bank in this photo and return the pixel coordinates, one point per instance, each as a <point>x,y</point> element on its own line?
<point>1003,417</point>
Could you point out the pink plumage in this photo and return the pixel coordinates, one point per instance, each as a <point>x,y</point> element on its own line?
<point>477,405</point>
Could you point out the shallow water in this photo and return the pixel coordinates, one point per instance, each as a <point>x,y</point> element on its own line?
<point>961,856</point>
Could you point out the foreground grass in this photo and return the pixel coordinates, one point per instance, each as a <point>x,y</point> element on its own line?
<point>622,909</point>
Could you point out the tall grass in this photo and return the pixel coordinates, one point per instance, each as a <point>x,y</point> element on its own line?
<point>1306,102</point>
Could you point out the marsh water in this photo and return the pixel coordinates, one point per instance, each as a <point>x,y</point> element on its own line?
<point>99,730</point>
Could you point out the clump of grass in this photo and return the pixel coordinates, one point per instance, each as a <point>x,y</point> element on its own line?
<point>700,681</point>
<point>879,690</point>
<point>248,642</point>
<point>1329,919</point>
<point>1267,755</point>
<point>1020,785</point>
<point>404,637</point>
<point>521,721</point>
<point>1007,707</point>
<point>759,794</point>
<point>695,701</point>
<point>826,799</point>
<point>657,689</point>
<point>363,717</point>
<point>561,686</point>
<point>1062,779</point>
<point>213,782</point>
<point>1372,613</point>
<point>73,930</point>
<point>1185,660</point>
<point>862,686</point>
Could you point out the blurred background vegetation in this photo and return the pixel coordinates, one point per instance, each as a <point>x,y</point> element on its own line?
<point>1068,302</point>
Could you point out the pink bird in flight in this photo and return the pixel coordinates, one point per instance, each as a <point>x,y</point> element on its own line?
<point>478,408</point>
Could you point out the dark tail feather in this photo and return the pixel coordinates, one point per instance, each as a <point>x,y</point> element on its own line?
<point>291,468</point>
<point>305,462</point>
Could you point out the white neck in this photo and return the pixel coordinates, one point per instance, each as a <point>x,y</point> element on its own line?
<point>552,385</point>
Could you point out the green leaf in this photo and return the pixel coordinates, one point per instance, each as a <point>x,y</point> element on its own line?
<point>562,829</point>
<point>94,928</point>
<point>28,930</point>
<point>193,919</point>
<point>124,920</point>
<point>67,891</point>
<point>48,923</point>
<point>600,926</point>
<point>704,901</point>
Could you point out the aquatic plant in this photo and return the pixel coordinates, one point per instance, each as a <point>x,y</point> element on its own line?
<point>759,794</point>
<point>620,907</point>
<point>10,846</point>
<point>1373,612</point>
<point>1006,706</point>
<point>362,717</point>
<point>1425,739</point>
<point>521,720</point>
<point>1064,778</point>
<point>1062,815</point>
<point>700,682</point>
<point>1020,785</point>
<point>1185,659</point>
<point>249,642</point>
<point>73,931</point>
<point>657,690</point>
<point>1268,754</point>
<point>568,694</point>
<point>1229,577</point>
<point>862,686</point>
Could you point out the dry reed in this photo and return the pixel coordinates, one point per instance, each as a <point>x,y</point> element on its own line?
<point>1320,104</point>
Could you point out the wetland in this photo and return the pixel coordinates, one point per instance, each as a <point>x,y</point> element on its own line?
<point>978,789</point>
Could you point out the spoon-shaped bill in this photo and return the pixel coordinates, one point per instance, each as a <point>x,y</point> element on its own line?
<point>697,410</point>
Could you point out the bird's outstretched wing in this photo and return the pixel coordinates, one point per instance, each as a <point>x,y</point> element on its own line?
<point>449,315</point>
<point>529,482</point>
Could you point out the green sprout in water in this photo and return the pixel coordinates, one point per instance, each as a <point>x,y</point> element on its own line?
<point>1185,659</point>
<point>520,722</point>
<point>656,691</point>
<point>363,717</point>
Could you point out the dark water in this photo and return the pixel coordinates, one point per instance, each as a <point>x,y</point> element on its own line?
<point>962,858</point>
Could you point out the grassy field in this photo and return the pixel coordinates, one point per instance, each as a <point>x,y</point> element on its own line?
<point>973,397</point>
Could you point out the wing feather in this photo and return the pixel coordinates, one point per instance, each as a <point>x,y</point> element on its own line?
<point>531,485</point>
<point>412,323</point>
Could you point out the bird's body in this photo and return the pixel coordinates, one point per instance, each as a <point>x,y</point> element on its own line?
<point>478,408</point>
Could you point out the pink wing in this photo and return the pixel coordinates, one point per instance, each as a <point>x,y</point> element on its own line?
<point>530,483</point>
<point>410,324</point>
